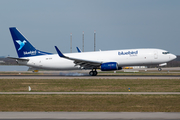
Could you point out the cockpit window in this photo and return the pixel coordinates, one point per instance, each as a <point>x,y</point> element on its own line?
<point>165,52</point>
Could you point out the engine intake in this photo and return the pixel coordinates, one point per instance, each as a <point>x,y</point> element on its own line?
<point>109,66</point>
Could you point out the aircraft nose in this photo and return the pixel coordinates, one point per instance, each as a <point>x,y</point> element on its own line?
<point>173,56</point>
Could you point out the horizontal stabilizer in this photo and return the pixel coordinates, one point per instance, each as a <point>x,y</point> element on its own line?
<point>18,59</point>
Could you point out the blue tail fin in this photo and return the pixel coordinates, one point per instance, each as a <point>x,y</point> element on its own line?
<point>23,46</point>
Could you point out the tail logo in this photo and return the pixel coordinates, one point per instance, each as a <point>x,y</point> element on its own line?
<point>21,44</point>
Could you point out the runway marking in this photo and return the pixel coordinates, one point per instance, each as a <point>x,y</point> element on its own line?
<point>93,93</point>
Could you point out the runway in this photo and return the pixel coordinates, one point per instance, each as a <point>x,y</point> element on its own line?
<point>89,77</point>
<point>90,115</point>
<point>91,93</point>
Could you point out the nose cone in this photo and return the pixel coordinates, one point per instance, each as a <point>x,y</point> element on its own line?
<point>173,56</point>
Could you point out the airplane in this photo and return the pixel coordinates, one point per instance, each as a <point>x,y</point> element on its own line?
<point>104,60</point>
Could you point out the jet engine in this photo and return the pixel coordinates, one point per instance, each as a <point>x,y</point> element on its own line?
<point>110,66</point>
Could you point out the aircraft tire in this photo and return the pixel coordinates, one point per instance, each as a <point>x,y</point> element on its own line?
<point>159,69</point>
<point>93,73</point>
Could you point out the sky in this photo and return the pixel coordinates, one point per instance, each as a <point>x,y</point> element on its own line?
<point>119,24</point>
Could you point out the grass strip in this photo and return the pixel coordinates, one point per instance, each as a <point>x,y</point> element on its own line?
<point>91,103</point>
<point>90,85</point>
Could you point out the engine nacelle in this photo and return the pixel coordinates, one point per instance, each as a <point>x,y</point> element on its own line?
<point>109,66</point>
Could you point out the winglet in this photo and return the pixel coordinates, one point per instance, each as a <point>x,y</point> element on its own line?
<point>79,50</point>
<point>59,52</point>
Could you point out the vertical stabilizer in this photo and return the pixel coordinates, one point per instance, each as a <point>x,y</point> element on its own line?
<point>23,47</point>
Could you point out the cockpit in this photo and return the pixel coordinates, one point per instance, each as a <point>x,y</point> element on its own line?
<point>165,53</point>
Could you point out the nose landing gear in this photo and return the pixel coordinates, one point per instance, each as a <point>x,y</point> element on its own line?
<point>93,73</point>
<point>159,69</point>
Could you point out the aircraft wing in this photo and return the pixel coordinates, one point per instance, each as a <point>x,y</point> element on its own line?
<point>82,62</point>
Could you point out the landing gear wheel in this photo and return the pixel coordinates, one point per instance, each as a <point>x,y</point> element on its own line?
<point>159,69</point>
<point>93,73</point>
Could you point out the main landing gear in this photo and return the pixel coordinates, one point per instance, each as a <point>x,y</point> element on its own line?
<point>93,73</point>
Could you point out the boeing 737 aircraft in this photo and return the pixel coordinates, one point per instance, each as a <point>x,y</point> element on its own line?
<point>104,60</point>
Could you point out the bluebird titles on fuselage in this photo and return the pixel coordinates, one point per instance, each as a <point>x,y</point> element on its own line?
<point>131,53</point>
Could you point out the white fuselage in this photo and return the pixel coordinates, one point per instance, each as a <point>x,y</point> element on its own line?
<point>127,57</point>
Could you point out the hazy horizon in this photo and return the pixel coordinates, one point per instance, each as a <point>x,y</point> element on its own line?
<point>119,24</point>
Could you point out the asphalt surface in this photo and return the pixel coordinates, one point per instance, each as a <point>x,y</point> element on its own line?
<point>91,115</point>
<point>87,119</point>
<point>84,74</point>
<point>92,93</point>
<point>88,77</point>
